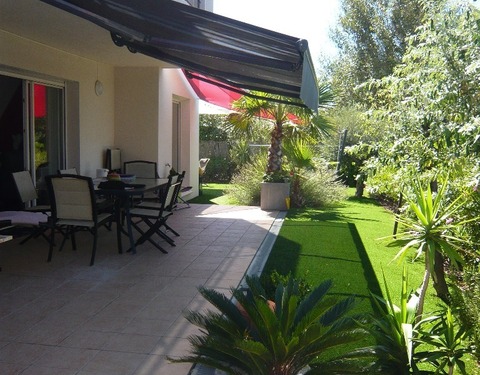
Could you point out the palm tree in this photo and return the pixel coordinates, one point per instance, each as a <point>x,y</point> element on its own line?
<point>280,112</point>
<point>250,335</point>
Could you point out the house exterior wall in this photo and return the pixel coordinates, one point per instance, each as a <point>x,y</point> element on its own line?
<point>137,114</point>
<point>134,112</point>
<point>174,87</point>
<point>143,118</point>
<point>95,118</point>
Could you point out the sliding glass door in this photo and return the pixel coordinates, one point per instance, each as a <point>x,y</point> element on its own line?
<point>46,127</point>
<point>32,135</point>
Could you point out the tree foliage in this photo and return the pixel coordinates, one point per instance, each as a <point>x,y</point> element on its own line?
<point>286,119</point>
<point>371,37</point>
<point>431,101</point>
<point>212,127</point>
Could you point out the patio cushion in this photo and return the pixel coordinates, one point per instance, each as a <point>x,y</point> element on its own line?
<point>24,217</point>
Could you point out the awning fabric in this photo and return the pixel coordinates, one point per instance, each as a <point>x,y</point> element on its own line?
<point>213,92</point>
<point>229,51</point>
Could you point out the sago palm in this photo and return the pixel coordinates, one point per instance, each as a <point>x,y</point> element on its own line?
<point>249,336</point>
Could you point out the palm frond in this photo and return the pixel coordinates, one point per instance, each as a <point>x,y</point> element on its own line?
<point>312,300</point>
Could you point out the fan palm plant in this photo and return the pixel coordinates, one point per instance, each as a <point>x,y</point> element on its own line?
<point>251,336</point>
<point>300,156</point>
<point>280,112</point>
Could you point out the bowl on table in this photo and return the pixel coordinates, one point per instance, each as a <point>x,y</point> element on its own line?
<point>128,178</point>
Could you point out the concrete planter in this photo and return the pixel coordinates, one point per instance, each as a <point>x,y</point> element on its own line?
<point>273,194</point>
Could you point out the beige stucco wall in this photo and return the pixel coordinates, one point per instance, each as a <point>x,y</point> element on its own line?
<point>143,118</point>
<point>96,117</point>
<point>174,87</point>
<point>137,116</point>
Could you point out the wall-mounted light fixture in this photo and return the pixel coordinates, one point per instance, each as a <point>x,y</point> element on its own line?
<point>98,85</point>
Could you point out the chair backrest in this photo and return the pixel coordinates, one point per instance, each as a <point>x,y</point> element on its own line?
<point>179,182</point>
<point>203,165</point>
<point>141,168</point>
<point>68,171</point>
<point>114,160</point>
<point>25,187</point>
<point>170,196</point>
<point>72,197</point>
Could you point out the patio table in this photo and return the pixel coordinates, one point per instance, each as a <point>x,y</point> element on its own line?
<point>123,196</point>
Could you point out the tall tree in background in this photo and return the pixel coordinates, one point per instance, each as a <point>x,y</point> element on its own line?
<point>371,41</point>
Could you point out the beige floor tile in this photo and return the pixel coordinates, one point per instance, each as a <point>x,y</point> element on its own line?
<point>131,343</point>
<point>114,363</point>
<point>65,358</point>
<point>125,314</point>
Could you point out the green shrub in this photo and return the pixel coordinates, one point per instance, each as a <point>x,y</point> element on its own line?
<point>320,187</point>
<point>244,187</point>
<point>219,169</point>
<point>384,184</point>
<point>271,280</point>
<point>465,290</point>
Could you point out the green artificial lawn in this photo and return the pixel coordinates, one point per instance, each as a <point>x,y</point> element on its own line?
<point>213,193</point>
<point>342,244</point>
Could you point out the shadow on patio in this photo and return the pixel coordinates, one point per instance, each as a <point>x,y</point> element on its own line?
<point>124,314</point>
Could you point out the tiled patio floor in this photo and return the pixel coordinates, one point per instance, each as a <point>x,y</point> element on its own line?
<point>122,316</point>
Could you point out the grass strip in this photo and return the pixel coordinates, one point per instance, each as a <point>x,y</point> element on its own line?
<point>342,243</point>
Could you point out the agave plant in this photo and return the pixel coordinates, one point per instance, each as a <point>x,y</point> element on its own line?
<point>250,335</point>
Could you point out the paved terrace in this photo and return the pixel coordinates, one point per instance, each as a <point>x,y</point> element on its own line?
<point>122,316</point>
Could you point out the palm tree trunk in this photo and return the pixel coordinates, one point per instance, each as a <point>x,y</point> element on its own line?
<point>439,282</point>
<point>275,151</point>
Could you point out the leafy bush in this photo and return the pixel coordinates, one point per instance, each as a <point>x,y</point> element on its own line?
<point>320,187</point>
<point>248,334</point>
<point>240,152</point>
<point>212,128</point>
<point>244,187</point>
<point>383,184</point>
<point>220,169</point>
<point>271,280</point>
<point>466,298</point>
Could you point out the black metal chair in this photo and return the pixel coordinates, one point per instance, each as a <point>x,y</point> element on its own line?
<point>73,203</point>
<point>155,219</point>
<point>175,179</point>
<point>28,195</point>
<point>143,169</point>
<point>27,192</point>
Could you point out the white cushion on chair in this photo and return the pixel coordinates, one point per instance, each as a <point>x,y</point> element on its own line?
<point>23,217</point>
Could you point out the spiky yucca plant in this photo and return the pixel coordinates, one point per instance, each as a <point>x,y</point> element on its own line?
<point>248,335</point>
<point>435,232</point>
<point>393,329</point>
